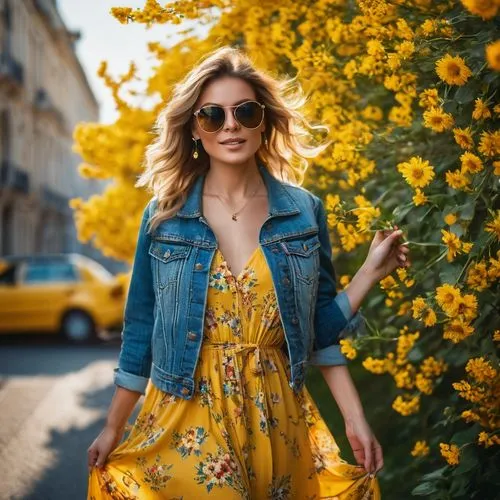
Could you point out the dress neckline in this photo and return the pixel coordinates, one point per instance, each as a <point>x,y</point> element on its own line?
<point>245,267</point>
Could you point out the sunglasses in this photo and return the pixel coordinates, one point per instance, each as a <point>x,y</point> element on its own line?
<point>211,118</point>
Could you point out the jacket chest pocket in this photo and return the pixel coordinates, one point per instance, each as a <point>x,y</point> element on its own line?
<point>167,262</point>
<point>303,255</point>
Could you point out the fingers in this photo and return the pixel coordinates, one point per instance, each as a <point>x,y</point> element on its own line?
<point>368,458</point>
<point>379,460</point>
<point>92,456</point>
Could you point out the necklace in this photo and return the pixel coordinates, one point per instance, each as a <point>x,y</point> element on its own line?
<point>234,215</point>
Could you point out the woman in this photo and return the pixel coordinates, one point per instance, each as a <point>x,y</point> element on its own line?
<point>232,295</point>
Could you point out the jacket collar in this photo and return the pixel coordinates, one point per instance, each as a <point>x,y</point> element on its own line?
<point>280,201</point>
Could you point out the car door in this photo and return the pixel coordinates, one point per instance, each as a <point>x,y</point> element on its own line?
<point>44,290</point>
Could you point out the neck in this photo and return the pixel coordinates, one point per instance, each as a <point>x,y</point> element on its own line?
<point>232,181</point>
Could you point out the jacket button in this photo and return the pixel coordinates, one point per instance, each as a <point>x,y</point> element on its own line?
<point>305,247</point>
<point>166,254</point>
<point>198,266</point>
<point>185,390</point>
<point>295,320</point>
<point>192,336</point>
<point>286,281</point>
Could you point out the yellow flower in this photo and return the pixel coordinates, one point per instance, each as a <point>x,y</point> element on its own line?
<point>373,365</point>
<point>468,307</point>
<point>470,416</point>
<point>453,70</point>
<point>407,405</point>
<point>463,137</point>
<point>450,219</point>
<point>483,8</point>
<point>485,439</point>
<point>431,367</point>
<point>436,119</point>
<point>430,318</point>
<point>420,449</point>
<point>457,180</point>
<point>373,113</point>
<point>496,336</point>
<point>471,163</point>
<point>466,247</point>
<point>429,26</point>
<point>493,55</point>
<point>428,98</point>
<point>480,370</point>
<point>419,198</point>
<point>418,307</point>
<point>450,452</point>
<point>424,384</point>
<point>448,297</point>
<point>452,241</point>
<point>481,110</point>
<point>477,276</point>
<point>493,226</point>
<point>457,330</point>
<point>489,145</point>
<point>417,172</point>
<point>496,167</point>
<point>348,349</point>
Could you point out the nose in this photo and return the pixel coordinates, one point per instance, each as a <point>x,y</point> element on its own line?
<point>230,121</point>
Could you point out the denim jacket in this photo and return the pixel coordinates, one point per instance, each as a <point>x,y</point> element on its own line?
<point>164,312</point>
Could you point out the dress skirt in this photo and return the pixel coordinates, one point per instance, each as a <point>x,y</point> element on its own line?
<point>244,434</point>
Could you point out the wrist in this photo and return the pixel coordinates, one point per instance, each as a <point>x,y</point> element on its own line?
<point>368,275</point>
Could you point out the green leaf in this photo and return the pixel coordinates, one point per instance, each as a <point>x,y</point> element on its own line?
<point>435,474</point>
<point>424,489</point>
<point>466,436</point>
<point>466,94</point>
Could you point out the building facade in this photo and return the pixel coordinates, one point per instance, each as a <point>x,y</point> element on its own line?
<point>44,93</point>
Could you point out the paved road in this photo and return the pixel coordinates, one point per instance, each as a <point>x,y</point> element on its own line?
<point>53,401</point>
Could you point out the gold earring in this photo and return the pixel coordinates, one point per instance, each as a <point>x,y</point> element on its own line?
<point>265,139</point>
<point>195,152</point>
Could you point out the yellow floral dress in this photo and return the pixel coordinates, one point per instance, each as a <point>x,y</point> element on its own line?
<point>244,434</point>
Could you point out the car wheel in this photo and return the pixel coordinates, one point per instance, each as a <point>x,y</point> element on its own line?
<point>77,326</point>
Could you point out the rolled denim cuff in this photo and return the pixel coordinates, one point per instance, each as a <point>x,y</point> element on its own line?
<point>345,306</point>
<point>330,355</point>
<point>130,381</point>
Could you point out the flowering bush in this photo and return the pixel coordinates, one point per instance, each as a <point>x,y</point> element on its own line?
<point>410,91</point>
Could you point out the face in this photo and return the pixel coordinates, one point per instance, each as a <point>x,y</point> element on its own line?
<point>229,91</point>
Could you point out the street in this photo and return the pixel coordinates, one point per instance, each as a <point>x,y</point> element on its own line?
<point>54,398</point>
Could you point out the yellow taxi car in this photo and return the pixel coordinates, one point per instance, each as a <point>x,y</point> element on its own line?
<point>67,294</point>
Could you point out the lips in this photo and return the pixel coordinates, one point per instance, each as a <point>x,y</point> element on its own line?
<point>235,140</point>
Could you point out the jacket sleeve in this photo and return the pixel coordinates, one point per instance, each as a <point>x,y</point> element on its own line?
<point>134,363</point>
<point>333,316</point>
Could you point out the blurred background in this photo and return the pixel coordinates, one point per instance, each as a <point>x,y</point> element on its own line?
<point>61,299</point>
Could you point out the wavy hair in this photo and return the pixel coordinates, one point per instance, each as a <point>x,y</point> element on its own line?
<point>170,170</point>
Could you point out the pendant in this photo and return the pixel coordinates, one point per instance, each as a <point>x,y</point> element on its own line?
<point>234,217</point>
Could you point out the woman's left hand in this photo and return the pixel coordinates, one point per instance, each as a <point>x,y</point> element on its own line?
<point>386,253</point>
<point>365,446</point>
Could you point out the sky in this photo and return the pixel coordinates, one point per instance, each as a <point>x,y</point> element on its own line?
<point>104,38</point>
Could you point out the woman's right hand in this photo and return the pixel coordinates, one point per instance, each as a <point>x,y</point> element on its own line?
<point>103,445</point>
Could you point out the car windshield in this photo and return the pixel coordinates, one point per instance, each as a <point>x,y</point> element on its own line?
<point>96,269</point>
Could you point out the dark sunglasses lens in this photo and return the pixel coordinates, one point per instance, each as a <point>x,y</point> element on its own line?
<point>211,118</point>
<point>249,114</point>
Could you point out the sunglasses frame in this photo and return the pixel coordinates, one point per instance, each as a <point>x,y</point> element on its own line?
<point>234,106</point>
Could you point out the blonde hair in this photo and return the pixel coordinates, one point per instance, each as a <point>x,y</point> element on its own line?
<point>170,169</point>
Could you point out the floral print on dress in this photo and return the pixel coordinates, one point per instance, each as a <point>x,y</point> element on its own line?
<point>244,433</point>
<point>155,475</point>
<point>219,469</point>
